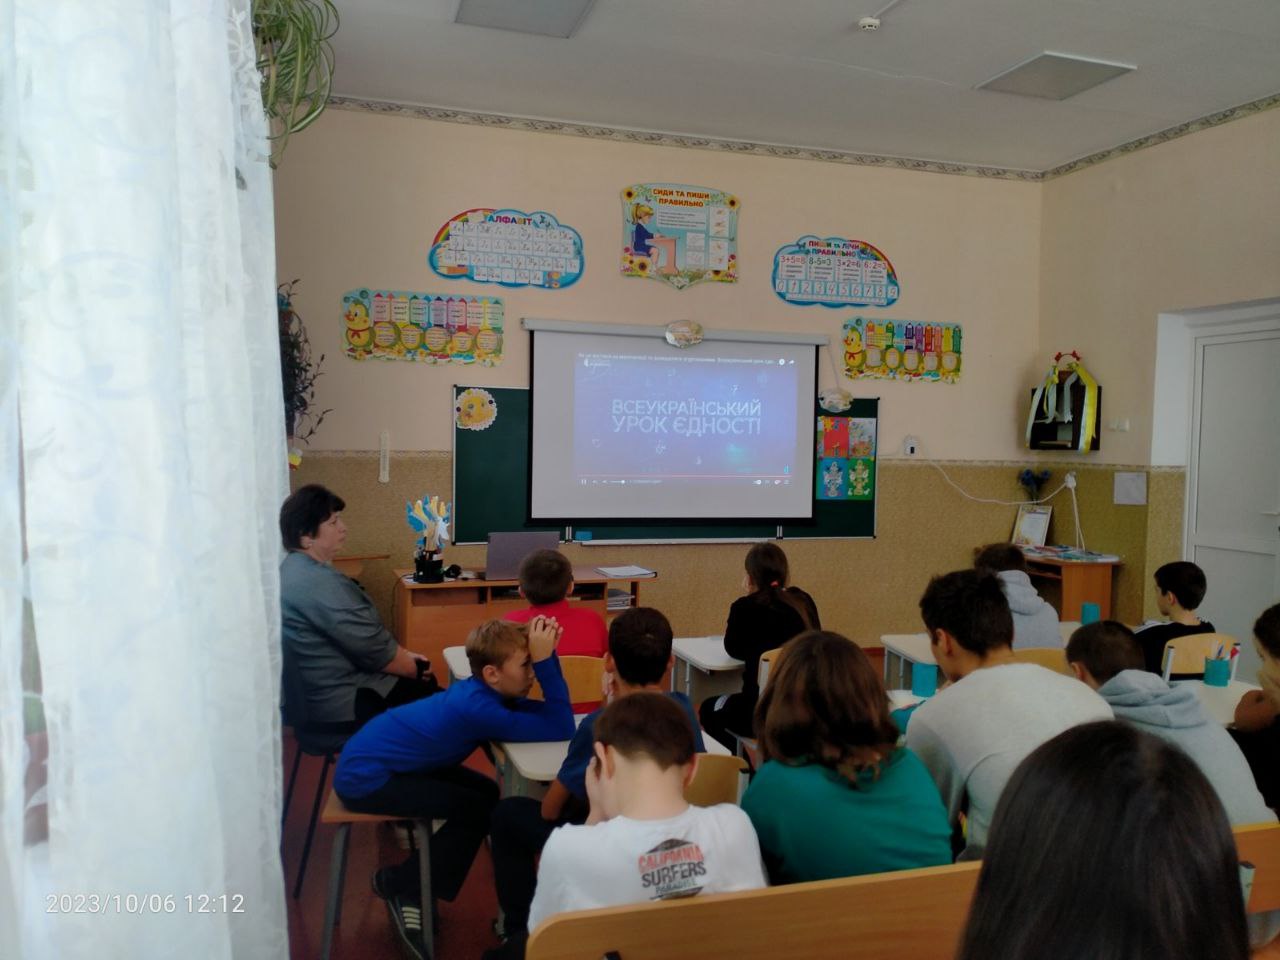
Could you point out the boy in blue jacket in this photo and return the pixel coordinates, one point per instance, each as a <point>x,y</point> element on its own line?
<point>408,761</point>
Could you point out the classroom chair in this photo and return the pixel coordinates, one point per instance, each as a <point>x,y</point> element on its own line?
<point>335,811</point>
<point>717,780</point>
<point>1187,654</point>
<point>746,747</point>
<point>1055,660</point>
<point>583,676</point>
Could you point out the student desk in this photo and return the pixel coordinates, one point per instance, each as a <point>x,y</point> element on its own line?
<point>900,651</point>
<point>708,670</point>
<point>428,617</point>
<point>530,767</point>
<point>1079,580</point>
<point>1219,702</point>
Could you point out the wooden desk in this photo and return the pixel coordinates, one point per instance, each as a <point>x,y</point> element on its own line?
<point>1080,580</point>
<point>431,616</point>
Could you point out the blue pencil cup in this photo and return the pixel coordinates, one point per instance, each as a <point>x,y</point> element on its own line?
<point>1217,673</point>
<point>1090,612</point>
<point>924,679</point>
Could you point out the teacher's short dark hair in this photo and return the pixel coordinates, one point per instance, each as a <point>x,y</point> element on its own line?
<point>303,512</point>
<point>1108,843</point>
<point>971,606</point>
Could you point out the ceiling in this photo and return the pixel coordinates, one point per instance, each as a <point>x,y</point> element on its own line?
<point>800,72</point>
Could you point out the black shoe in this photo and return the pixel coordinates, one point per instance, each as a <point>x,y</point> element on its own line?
<point>512,948</point>
<point>382,884</point>
<point>406,917</point>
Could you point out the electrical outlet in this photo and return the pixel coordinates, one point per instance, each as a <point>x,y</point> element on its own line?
<point>911,446</point>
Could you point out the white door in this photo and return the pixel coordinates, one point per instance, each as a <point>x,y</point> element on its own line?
<point>1233,478</point>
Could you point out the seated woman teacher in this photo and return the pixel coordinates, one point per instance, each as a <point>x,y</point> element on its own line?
<point>339,660</point>
<point>767,617</point>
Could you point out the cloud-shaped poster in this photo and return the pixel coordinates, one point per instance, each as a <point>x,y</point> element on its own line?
<point>834,272</point>
<point>509,247</point>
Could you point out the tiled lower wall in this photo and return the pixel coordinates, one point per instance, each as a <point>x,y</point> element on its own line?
<point>864,588</point>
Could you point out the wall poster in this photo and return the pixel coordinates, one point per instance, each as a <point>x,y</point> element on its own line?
<point>846,451</point>
<point>679,234</point>
<point>901,350</point>
<point>427,327</point>
<point>510,247</point>
<point>834,272</point>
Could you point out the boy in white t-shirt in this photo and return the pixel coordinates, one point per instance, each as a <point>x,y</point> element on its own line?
<point>643,841</point>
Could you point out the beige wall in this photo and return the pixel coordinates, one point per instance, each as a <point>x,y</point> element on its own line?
<point>1084,261</point>
<point>360,196</point>
<point>1190,223</point>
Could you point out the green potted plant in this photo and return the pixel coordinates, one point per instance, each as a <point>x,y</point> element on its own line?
<point>295,57</point>
<point>298,372</point>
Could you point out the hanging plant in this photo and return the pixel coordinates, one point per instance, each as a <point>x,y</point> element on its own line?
<point>295,58</point>
<point>298,372</point>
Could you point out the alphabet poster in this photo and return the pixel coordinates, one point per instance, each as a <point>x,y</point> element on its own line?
<point>510,247</point>
<point>834,272</point>
<point>846,452</point>
<point>679,234</point>
<point>901,350</point>
<point>427,327</point>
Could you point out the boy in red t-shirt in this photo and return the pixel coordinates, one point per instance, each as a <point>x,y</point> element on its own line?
<point>546,581</point>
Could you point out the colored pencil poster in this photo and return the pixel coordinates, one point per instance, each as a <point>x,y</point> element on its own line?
<point>834,272</point>
<point>679,234</point>
<point>426,327</point>
<point>846,450</point>
<point>510,247</point>
<point>901,350</point>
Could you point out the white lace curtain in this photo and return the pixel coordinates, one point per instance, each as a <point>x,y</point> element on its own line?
<point>142,464</point>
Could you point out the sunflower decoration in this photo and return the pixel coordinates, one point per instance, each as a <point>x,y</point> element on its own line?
<point>629,194</point>
<point>731,202</point>
<point>475,409</point>
<point>716,274</point>
<point>640,266</point>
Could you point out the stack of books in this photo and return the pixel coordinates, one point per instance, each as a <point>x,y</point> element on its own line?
<point>1068,555</point>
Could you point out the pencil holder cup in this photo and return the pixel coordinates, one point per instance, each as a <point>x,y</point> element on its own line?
<point>924,679</point>
<point>1090,613</point>
<point>1217,673</point>
<point>428,568</point>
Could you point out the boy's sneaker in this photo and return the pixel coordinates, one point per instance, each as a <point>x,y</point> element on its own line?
<point>382,885</point>
<point>406,917</point>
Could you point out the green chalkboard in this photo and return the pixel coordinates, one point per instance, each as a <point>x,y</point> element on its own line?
<point>491,488</point>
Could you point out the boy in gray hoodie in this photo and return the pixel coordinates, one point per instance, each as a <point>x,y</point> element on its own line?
<point>1107,657</point>
<point>1035,622</point>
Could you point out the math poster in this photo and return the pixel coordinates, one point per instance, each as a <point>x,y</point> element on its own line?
<point>902,350</point>
<point>679,234</point>
<point>834,272</point>
<point>426,327</point>
<point>509,247</point>
<point>846,458</point>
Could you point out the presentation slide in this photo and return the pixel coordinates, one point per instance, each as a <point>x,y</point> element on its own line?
<point>630,428</point>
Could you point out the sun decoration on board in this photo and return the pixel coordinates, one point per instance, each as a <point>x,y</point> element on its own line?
<point>475,409</point>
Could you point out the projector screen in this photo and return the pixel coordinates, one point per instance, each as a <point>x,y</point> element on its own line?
<point>628,427</point>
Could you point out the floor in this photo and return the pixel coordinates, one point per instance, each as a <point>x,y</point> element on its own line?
<point>365,933</point>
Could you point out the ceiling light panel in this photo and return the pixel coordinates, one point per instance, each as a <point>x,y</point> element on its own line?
<point>1055,76</point>
<point>548,18</point>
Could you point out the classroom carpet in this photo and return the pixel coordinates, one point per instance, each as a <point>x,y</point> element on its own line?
<point>366,933</point>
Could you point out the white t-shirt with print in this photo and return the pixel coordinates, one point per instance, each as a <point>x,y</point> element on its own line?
<point>620,861</point>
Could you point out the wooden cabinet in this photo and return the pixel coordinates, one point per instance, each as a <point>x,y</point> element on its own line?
<point>1077,582</point>
<point>432,616</point>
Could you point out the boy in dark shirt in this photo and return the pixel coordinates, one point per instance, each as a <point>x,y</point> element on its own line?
<point>1180,586</point>
<point>639,657</point>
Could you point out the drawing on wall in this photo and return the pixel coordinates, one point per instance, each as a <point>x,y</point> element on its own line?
<point>509,247</point>
<point>426,327</point>
<point>679,234</point>
<point>901,350</point>
<point>846,458</point>
<point>475,409</point>
<point>834,272</point>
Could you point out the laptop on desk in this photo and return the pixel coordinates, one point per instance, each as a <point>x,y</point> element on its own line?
<point>506,551</point>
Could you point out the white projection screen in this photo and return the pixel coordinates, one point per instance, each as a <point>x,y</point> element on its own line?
<point>630,428</point>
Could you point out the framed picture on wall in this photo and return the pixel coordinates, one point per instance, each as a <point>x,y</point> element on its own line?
<point>1032,526</point>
